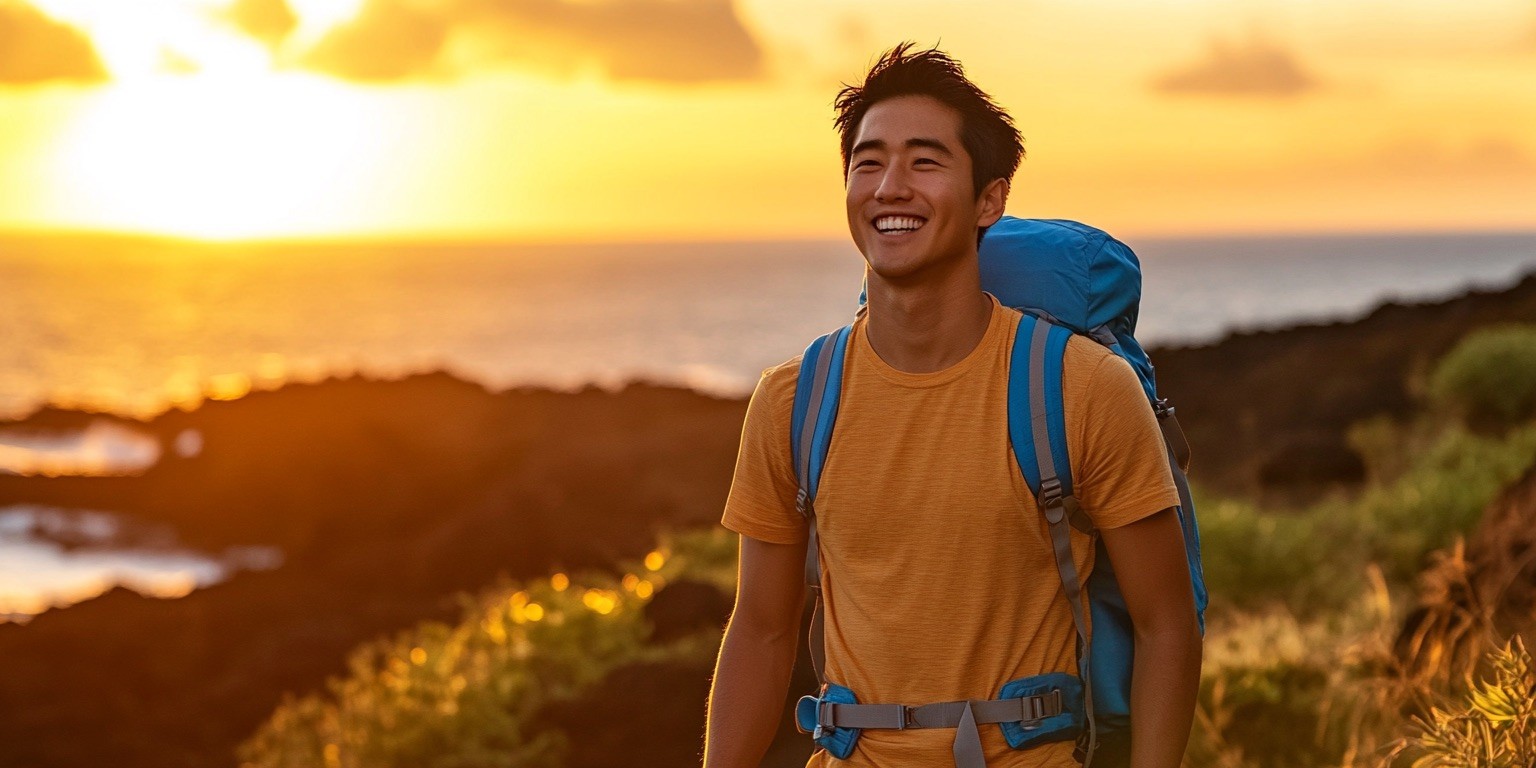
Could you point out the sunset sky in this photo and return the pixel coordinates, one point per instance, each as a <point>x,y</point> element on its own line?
<point>711,119</point>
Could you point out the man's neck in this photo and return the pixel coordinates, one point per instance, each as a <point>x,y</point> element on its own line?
<point>929,327</point>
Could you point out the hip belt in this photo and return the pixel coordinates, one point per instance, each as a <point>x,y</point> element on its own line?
<point>1030,711</point>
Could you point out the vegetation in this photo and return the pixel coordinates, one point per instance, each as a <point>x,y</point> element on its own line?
<point>440,696</point>
<point>1490,377</point>
<point>1303,665</point>
<point>1493,727</point>
<point>1429,482</point>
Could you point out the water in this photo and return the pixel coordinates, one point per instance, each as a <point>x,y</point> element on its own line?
<point>136,326</point>
<point>53,558</point>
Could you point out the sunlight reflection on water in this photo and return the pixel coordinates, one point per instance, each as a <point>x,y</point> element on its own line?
<point>52,558</point>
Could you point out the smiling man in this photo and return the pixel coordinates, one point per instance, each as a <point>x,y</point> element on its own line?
<point>936,563</point>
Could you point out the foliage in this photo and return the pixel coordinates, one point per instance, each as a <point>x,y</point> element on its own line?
<point>1278,691</point>
<point>1300,667</point>
<point>1490,376</point>
<point>1431,487</point>
<point>1495,725</point>
<point>469,695</point>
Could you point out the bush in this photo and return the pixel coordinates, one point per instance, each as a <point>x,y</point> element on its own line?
<point>471,695</point>
<point>1489,378</point>
<point>1494,727</point>
<point>1313,560</point>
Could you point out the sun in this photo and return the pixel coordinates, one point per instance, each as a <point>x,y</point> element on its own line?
<point>217,158</point>
<point>201,132</point>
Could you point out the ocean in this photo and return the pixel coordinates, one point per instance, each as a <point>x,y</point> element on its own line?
<point>136,326</point>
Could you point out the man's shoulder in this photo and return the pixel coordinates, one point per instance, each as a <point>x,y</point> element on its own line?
<point>775,393</point>
<point>781,377</point>
<point>1084,355</point>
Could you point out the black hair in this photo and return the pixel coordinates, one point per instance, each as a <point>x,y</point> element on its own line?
<point>986,130</point>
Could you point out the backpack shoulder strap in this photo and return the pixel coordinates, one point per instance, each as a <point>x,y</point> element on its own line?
<point>817,393</point>
<point>1037,430</point>
<point>1037,415</point>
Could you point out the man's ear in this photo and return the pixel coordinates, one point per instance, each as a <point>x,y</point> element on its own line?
<point>990,205</point>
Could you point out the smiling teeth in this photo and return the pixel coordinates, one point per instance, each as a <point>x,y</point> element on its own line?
<point>888,224</point>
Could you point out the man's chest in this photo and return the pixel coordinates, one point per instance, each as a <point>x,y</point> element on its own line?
<point>920,467</point>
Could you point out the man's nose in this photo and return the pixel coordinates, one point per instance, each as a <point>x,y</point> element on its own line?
<point>893,185</point>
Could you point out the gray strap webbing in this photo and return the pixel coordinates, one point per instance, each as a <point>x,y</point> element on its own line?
<point>945,714</point>
<point>1173,436</point>
<point>1051,502</point>
<point>963,716</point>
<point>813,413</point>
<point>816,640</point>
<point>967,747</point>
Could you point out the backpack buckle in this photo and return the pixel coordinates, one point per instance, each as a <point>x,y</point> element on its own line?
<point>1162,408</point>
<point>1050,500</point>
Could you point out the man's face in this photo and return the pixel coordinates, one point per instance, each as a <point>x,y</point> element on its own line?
<point>911,203</point>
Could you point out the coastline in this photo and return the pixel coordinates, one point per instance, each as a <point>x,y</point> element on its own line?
<point>388,498</point>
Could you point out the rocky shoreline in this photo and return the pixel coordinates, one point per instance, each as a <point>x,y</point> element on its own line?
<point>387,498</point>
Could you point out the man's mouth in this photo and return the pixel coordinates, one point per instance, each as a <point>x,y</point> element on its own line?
<point>896,225</point>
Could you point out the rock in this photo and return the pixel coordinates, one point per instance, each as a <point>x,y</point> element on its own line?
<point>684,607</point>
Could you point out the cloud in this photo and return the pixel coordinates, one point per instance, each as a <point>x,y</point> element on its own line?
<point>36,49</point>
<point>677,41</point>
<point>387,41</point>
<point>266,20</point>
<point>1488,155</point>
<point>1256,68</point>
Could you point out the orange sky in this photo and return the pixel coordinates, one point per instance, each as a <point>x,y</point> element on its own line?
<point>663,119</point>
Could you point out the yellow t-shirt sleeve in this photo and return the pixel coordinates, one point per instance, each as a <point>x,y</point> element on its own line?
<point>1123,475</point>
<point>761,503</point>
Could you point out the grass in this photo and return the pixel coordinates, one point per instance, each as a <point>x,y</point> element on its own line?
<point>1302,665</point>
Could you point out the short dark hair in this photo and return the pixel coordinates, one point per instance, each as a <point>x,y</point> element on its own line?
<point>986,130</point>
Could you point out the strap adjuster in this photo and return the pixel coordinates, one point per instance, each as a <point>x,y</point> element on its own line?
<point>803,502</point>
<point>1050,500</point>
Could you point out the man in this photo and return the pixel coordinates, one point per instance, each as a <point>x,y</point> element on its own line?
<point>938,578</point>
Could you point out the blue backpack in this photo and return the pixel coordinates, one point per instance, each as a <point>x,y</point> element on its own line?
<point>1067,278</point>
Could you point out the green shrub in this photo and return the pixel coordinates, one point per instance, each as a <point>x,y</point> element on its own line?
<point>1489,378</point>
<point>1493,727</point>
<point>1313,560</point>
<point>469,695</point>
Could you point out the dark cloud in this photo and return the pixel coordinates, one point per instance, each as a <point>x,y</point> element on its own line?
<point>387,41</point>
<point>266,20</point>
<point>36,49</point>
<point>679,41</point>
<point>1254,68</point>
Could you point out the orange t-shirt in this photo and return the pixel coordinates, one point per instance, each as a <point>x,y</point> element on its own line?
<point>937,569</point>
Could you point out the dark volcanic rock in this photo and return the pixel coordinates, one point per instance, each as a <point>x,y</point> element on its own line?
<point>684,607</point>
<point>650,714</point>
<point>1245,401</point>
<point>387,499</point>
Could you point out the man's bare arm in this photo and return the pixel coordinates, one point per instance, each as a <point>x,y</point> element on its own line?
<point>757,654</point>
<point>1150,565</point>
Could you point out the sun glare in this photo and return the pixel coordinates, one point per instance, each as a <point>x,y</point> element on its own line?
<point>224,158</point>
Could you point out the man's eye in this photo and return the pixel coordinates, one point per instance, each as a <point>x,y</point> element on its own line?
<point>922,160</point>
<point>863,163</point>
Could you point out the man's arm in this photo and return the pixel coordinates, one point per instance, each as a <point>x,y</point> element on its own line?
<point>757,654</point>
<point>1148,555</point>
